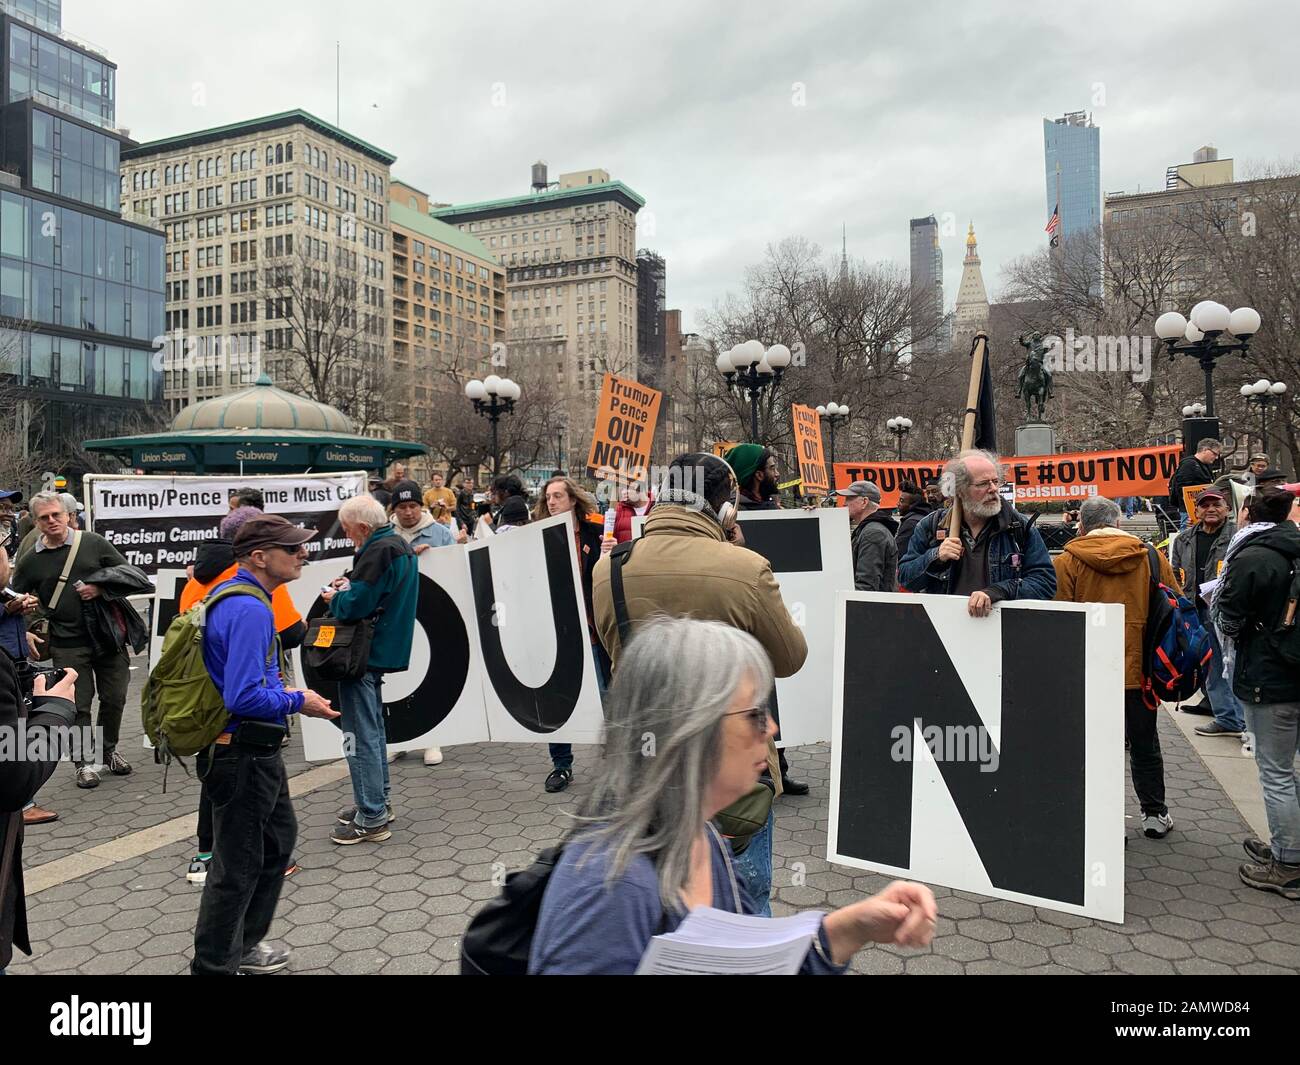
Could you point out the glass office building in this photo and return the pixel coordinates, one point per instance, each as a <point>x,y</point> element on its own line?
<point>81,288</point>
<point>1073,144</point>
<point>928,332</point>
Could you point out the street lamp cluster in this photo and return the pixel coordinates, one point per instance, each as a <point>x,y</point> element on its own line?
<point>751,368</point>
<point>833,413</point>
<point>1263,394</point>
<point>493,397</point>
<point>900,427</point>
<point>1212,332</point>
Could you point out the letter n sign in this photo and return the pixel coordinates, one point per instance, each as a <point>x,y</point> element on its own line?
<point>984,754</point>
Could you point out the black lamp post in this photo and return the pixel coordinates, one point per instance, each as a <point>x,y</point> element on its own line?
<point>1264,394</point>
<point>833,414</point>
<point>749,368</point>
<point>493,397</point>
<point>1212,332</point>
<point>559,447</point>
<point>900,427</point>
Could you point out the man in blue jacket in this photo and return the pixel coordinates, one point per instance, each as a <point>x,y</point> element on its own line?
<point>384,584</point>
<point>253,826</point>
<point>996,557</point>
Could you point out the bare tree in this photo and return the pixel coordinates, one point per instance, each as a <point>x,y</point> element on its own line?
<point>331,331</point>
<point>20,410</point>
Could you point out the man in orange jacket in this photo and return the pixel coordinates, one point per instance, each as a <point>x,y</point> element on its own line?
<point>1105,564</point>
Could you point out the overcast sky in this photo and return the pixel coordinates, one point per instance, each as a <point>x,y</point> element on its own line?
<point>738,124</point>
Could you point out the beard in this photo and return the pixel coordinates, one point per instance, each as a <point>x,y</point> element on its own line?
<point>766,489</point>
<point>981,509</point>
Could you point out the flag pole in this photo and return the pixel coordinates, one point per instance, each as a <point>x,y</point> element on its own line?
<point>979,352</point>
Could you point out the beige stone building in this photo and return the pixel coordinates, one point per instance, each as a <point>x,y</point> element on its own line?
<point>568,249</point>
<point>971,313</point>
<point>258,214</point>
<point>449,308</point>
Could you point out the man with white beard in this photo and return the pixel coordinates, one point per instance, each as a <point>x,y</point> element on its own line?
<point>996,555</point>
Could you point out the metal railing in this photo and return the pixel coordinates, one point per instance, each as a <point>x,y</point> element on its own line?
<point>45,100</point>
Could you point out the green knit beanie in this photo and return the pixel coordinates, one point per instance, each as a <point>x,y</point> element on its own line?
<point>745,460</point>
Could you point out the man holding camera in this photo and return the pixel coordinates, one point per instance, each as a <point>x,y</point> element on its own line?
<point>21,777</point>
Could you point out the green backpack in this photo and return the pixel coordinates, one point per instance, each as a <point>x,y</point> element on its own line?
<point>182,710</point>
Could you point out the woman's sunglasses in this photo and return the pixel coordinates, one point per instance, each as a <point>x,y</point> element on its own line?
<point>757,715</point>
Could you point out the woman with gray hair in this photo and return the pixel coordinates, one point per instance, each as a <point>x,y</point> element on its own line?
<point>644,854</point>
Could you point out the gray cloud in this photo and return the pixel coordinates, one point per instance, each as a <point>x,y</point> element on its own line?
<point>910,109</point>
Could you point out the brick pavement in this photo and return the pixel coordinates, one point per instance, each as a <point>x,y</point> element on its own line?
<point>401,906</point>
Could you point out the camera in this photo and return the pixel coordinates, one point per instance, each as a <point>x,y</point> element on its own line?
<point>27,674</point>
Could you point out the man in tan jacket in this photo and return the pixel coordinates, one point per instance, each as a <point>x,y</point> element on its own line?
<point>1104,564</point>
<point>690,561</point>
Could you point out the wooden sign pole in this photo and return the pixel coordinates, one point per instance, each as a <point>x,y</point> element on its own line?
<point>979,352</point>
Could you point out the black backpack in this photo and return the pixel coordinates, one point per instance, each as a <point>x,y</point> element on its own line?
<point>500,937</point>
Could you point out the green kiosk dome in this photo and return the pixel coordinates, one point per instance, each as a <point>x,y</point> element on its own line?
<point>261,429</point>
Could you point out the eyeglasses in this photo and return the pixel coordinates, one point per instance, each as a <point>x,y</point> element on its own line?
<point>758,717</point>
<point>981,485</point>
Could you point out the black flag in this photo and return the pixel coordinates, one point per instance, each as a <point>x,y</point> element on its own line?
<point>986,422</point>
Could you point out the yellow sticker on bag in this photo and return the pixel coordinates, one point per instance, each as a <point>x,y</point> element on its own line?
<point>324,636</point>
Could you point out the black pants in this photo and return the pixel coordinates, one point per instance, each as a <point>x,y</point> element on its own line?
<point>253,833</point>
<point>1144,758</point>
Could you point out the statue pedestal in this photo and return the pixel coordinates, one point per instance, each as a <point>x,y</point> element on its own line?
<point>1035,438</point>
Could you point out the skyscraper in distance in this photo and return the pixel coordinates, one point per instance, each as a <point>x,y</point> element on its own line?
<point>927,283</point>
<point>1072,153</point>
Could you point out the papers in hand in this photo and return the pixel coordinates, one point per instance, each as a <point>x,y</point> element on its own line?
<point>1207,589</point>
<point>715,942</point>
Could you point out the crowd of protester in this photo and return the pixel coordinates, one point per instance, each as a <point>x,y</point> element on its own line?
<point>682,599</point>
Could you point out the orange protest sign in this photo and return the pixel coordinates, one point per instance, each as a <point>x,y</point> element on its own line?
<point>624,431</point>
<point>1143,471</point>
<point>808,448</point>
<point>721,447</point>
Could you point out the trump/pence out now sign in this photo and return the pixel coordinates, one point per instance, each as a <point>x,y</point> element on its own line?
<point>624,431</point>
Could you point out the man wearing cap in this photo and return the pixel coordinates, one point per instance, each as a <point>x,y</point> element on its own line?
<point>1197,557</point>
<point>757,471</point>
<point>875,555</point>
<point>253,824</point>
<point>414,524</point>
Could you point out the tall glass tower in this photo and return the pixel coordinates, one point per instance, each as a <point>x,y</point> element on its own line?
<point>81,288</point>
<point>927,284</point>
<point>1072,147</point>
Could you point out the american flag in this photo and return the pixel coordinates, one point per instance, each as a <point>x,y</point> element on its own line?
<point>1054,223</point>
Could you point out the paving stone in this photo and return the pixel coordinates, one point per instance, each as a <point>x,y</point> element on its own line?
<point>403,906</point>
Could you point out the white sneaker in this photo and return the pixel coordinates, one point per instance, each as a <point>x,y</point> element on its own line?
<point>433,756</point>
<point>1157,826</point>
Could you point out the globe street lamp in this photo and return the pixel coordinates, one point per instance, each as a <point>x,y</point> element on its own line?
<point>1263,394</point>
<point>493,397</point>
<point>900,427</point>
<point>1194,410</point>
<point>748,368</point>
<point>833,413</point>
<point>1212,332</point>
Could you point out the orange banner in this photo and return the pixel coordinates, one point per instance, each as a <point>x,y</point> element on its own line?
<point>808,448</point>
<point>1143,471</point>
<point>624,431</point>
<point>721,447</point>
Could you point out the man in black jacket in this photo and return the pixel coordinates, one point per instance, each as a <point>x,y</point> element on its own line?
<point>1252,609</point>
<point>21,777</point>
<point>1193,470</point>
<point>57,569</point>
<point>912,507</point>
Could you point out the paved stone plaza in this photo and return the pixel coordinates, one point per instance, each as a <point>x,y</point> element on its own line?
<point>116,899</point>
